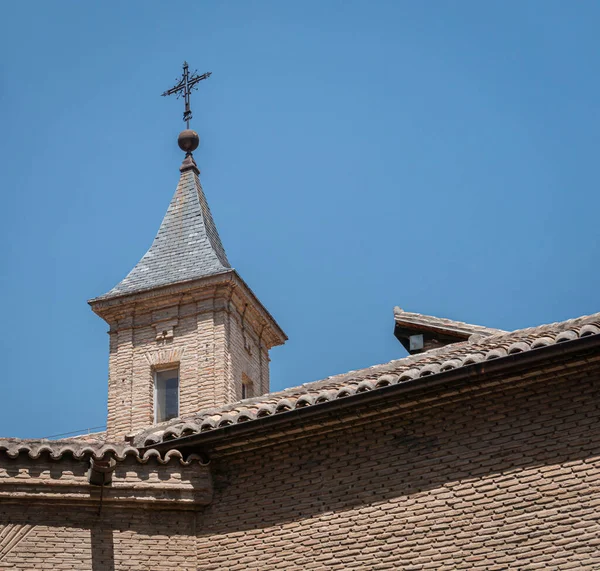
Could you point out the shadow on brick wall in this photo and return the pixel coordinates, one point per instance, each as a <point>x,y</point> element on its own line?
<point>515,448</point>
<point>102,549</point>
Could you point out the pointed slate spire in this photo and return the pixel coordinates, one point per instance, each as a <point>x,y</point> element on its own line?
<point>183,309</point>
<point>187,245</point>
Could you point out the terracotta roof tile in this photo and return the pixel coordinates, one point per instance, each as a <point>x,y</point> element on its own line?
<point>442,324</point>
<point>477,349</point>
<point>79,449</point>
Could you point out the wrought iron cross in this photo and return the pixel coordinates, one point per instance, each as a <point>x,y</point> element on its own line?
<point>184,88</point>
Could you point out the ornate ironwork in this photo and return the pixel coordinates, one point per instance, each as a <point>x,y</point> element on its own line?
<point>184,88</point>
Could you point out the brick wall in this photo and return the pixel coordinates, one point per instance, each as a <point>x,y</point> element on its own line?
<point>507,477</point>
<point>50,518</point>
<point>211,338</point>
<point>504,480</point>
<point>55,538</point>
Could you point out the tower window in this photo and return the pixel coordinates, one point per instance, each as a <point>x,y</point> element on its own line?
<point>247,389</point>
<point>166,395</point>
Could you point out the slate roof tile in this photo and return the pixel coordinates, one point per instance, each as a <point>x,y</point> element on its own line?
<point>186,247</point>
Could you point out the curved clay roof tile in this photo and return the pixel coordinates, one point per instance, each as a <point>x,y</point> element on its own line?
<point>266,409</point>
<point>365,386</point>
<point>208,424</point>
<point>431,369</point>
<point>284,405</point>
<point>542,342</point>
<point>305,400</point>
<point>408,375</point>
<point>346,391</point>
<point>473,359</point>
<point>589,330</point>
<point>518,347</point>
<point>386,380</point>
<point>566,336</point>
<point>449,365</point>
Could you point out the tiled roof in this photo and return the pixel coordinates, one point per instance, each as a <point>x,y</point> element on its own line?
<point>420,322</point>
<point>79,449</point>
<point>187,245</point>
<point>455,356</point>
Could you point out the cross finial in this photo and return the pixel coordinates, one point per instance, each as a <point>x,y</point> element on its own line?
<point>184,88</point>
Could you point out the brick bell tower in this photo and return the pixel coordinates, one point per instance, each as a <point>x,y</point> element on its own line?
<point>186,332</point>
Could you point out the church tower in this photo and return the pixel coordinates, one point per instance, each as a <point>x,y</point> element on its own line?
<point>186,332</point>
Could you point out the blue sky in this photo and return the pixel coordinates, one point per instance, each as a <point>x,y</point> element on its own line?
<point>356,155</point>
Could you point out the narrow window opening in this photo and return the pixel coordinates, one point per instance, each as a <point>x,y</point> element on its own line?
<point>166,395</point>
<point>247,388</point>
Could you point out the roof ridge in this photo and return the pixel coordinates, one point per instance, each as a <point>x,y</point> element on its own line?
<point>210,226</point>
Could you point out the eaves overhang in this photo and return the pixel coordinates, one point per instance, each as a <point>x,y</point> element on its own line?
<point>369,402</point>
<point>103,306</point>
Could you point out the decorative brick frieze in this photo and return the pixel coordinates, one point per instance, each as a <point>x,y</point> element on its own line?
<point>132,482</point>
<point>161,357</point>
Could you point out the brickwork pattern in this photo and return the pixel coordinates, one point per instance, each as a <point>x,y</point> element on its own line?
<point>84,540</point>
<point>506,480</point>
<point>506,477</point>
<point>212,344</point>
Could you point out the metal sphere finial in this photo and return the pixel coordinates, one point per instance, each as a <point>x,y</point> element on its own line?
<point>188,140</point>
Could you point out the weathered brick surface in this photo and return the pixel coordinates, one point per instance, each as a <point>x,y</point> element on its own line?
<point>213,339</point>
<point>504,478</point>
<point>82,540</point>
<point>507,480</point>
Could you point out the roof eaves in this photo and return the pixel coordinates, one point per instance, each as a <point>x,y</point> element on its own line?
<point>157,291</point>
<point>80,450</point>
<point>476,372</point>
<point>440,324</point>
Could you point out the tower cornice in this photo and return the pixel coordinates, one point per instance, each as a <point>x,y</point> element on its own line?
<point>226,286</point>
